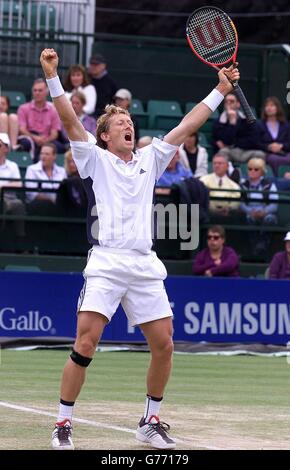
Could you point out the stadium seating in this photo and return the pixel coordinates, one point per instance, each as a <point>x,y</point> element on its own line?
<point>60,159</point>
<point>282,170</point>
<point>138,111</point>
<point>190,104</point>
<point>152,133</point>
<point>16,98</point>
<point>23,160</point>
<point>164,114</point>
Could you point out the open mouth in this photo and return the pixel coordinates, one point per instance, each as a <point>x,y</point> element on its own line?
<point>128,137</point>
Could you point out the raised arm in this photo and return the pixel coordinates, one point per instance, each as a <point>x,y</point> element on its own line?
<point>201,112</point>
<point>72,125</point>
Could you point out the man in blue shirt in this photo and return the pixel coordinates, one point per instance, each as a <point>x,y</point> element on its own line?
<point>174,173</point>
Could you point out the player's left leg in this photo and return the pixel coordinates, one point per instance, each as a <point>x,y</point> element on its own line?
<point>158,334</point>
<point>159,337</point>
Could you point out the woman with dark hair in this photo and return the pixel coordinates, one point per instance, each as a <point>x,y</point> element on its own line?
<point>193,156</point>
<point>78,80</point>
<point>217,259</point>
<point>274,134</point>
<point>8,122</point>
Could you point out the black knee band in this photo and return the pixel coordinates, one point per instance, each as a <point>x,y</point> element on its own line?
<point>79,359</point>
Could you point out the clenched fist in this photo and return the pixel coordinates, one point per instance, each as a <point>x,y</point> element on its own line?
<point>49,62</point>
<point>226,77</point>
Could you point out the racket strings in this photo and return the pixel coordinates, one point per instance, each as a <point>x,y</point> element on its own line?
<point>212,35</point>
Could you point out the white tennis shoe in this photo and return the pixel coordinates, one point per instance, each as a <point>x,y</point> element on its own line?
<point>62,436</point>
<point>154,432</point>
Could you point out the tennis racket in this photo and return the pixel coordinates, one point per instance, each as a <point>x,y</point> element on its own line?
<point>213,38</point>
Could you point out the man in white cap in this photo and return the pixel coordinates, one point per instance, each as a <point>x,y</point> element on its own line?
<point>123,99</point>
<point>8,170</point>
<point>280,264</point>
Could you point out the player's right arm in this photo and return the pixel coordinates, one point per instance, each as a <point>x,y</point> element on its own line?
<point>72,125</point>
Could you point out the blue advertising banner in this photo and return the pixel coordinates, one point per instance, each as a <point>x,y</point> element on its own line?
<point>213,310</point>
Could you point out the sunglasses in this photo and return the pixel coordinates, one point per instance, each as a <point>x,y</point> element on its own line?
<point>254,169</point>
<point>213,237</point>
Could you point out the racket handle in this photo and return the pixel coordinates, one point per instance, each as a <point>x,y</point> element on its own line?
<point>244,104</point>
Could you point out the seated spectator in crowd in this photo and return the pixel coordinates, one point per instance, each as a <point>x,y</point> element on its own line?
<point>217,259</point>
<point>261,206</point>
<point>77,80</point>
<point>193,191</point>
<point>123,99</point>
<point>39,122</point>
<point>233,135</point>
<point>274,134</point>
<point>280,264</point>
<point>78,101</point>
<point>193,156</point>
<point>8,122</point>
<point>257,210</point>
<point>8,169</point>
<point>144,141</point>
<point>104,84</point>
<point>220,180</point>
<point>71,195</point>
<point>45,170</point>
<point>174,173</point>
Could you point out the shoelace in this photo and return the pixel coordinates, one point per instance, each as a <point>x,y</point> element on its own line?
<point>161,428</point>
<point>64,432</point>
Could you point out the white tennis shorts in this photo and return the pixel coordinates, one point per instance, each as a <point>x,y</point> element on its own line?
<point>114,276</point>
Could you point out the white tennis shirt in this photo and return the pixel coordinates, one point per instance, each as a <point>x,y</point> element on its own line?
<point>123,192</point>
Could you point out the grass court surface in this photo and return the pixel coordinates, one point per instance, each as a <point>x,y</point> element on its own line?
<point>211,402</point>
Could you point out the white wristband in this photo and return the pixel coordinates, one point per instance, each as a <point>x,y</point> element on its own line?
<point>55,87</point>
<point>213,100</point>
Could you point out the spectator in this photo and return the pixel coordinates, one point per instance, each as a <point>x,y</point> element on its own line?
<point>174,173</point>
<point>261,206</point>
<point>193,191</point>
<point>143,141</point>
<point>123,98</point>
<point>39,123</point>
<point>259,211</point>
<point>280,264</point>
<point>8,169</point>
<point>77,80</point>
<point>193,156</point>
<point>274,134</point>
<point>103,83</point>
<point>233,135</point>
<point>45,170</point>
<point>78,100</point>
<point>71,195</point>
<point>217,259</point>
<point>8,122</point>
<point>219,180</point>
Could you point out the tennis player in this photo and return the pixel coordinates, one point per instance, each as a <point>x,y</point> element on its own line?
<point>121,266</point>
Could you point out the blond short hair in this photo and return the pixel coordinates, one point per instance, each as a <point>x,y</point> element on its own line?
<point>103,123</point>
<point>258,162</point>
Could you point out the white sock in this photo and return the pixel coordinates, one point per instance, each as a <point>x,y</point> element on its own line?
<point>152,407</point>
<point>65,411</point>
